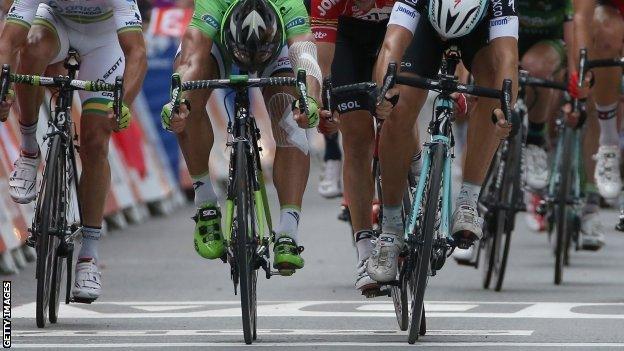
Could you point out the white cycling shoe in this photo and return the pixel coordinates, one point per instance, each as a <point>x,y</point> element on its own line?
<point>592,233</point>
<point>23,179</point>
<point>382,266</point>
<point>363,281</point>
<point>536,167</point>
<point>87,284</point>
<point>330,185</point>
<point>467,226</point>
<point>607,173</point>
<point>465,256</point>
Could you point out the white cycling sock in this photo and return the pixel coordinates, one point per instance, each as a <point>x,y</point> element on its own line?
<point>90,238</point>
<point>204,191</point>
<point>289,222</point>
<point>364,244</point>
<point>468,194</point>
<point>29,139</point>
<point>608,124</point>
<point>392,219</point>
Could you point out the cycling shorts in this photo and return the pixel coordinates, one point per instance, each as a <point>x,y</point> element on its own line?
<point>101,57</point>
<point>357,45</point>
<point>423,56</point>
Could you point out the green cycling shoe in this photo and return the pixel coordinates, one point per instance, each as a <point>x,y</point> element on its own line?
<point>287,255</point>
<point>208,238</point>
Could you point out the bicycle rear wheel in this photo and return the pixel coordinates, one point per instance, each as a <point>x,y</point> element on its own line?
<point>491,195</point>
<point>245,243</point>
<point>422,259</point>
<point>562,222</point>
<point>47,243</point>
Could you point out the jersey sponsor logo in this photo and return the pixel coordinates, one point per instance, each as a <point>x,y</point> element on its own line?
<point>497,7</point>
<point>112,69</point>
<point>349,105</point>
<point>320,35</point>
<point>411,2</point>
<point>299,21</point>
<point>76,9</point>
<point>211,21</point>
<point>326,5</point>
<point>407,11</point>
<point>283,62</point>
<point>499,22</point>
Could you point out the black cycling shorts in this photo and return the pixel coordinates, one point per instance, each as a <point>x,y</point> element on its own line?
<point>423,56</point>
<point>357,45</point>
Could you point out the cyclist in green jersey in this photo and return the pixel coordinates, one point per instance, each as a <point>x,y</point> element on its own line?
<point>267,38</point>
<point>543,26</point>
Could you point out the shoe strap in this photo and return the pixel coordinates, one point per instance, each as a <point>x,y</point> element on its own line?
<point>363,234</point>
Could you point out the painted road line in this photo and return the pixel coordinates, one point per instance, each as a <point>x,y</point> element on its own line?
<point>264,332</point>
<point>430,307</point>
<point>272,345</point>
<point>323,309</point>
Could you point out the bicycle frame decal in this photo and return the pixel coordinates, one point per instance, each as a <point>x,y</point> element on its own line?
<point>229,219</point>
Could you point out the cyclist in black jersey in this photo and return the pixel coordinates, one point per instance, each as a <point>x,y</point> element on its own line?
<point>486,33</point>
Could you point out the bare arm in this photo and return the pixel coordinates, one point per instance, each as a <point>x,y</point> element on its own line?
<point>195,54</point>
<point>133,46</point>
<point>395,43</point>
<point>326,57</point>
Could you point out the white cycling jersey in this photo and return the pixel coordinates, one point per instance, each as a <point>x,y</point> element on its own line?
<point>90,16</point>
<point>92,28</point>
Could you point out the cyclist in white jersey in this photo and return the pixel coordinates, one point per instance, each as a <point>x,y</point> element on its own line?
<point>106,34</point>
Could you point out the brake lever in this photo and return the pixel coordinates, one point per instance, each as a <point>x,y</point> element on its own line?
<point>118,99</point>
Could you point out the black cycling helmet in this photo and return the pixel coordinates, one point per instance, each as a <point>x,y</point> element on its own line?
<point>252,33</point>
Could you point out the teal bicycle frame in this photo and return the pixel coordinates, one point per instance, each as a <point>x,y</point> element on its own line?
<point>441,134</point>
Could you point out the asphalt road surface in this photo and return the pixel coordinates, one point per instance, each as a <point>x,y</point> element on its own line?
<point>158,294</point>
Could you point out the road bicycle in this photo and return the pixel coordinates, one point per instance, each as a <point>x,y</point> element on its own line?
<point>58,220</point>
<point>248,230</point>
<point>565,189</point>
<point>503,191</point>
<point>427,232</point>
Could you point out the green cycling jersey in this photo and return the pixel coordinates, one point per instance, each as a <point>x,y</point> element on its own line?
<point>209,14</point>
<point>544,17</point>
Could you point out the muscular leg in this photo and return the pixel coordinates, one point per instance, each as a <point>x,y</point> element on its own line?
<point>357,141</point>
<point>41,48</point>
<point>542,60</point>
<point>608,34</point>
<point>291,166</point>
<point>399,141</point>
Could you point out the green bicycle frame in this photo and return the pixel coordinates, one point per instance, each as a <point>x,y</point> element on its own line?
<point>244,134</point>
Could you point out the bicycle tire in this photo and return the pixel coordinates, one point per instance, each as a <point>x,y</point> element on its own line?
<point>488,243</point>
<point>245,247</point>
<point>511,193</point>
<point>420,273</point>
<point>46,243</point>
<point>399,293</point>
<point>561,208</point>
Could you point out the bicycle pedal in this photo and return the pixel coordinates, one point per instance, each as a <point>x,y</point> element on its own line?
<point>376,292</point>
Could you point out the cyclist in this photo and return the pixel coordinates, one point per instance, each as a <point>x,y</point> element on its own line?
<point>252,34</point>
<point>107,34</point>
<point>545,28</point>
<point>349,34</point>
<point>486,32</point>
<point>599,27</point>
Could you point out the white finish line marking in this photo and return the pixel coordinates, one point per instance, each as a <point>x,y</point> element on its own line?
<point>262,332</point>
<point>321,309</point>
<point>260,344</point>
<point>431,307</point>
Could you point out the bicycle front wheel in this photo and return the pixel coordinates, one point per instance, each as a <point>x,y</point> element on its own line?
<point>562,221</point>
<point>245,243</point>
<point>47,243</point>
<point>422,259</point>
